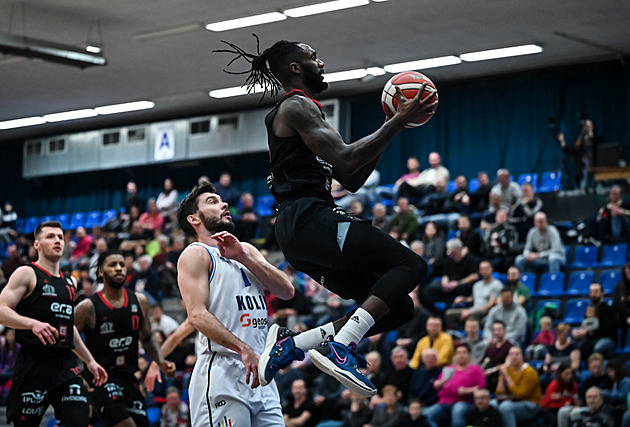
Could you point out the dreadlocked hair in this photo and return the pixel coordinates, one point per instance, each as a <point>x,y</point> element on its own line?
<point>263,68</point>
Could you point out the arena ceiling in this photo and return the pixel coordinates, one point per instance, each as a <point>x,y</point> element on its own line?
<point>159,50</point>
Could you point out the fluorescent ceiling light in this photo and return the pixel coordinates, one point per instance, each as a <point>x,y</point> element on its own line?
<point>345,75</point>
<point>501,53</point>
<point>70,115</point>
<point>123,108</point>
<point>376,71</point>
<point>20,123</point>
<point>423,64</point>
<point>234,91</point>
<point>93,49</point>
<point>247,21</point>
<point>165,32</point>
<point>324,7</point>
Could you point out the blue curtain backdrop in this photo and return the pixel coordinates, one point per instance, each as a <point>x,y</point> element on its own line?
<point>481,124</point>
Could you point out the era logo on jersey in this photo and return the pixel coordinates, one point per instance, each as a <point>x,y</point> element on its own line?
<point>107,328</point>
<point>61,309</point>
<point>117,343</point>
<point>49,291</point>
<point>255,322</point>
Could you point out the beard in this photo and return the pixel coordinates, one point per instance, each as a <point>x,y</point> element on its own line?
<point>112,282</point>
<point>216,225</point>
<point>314,82</point>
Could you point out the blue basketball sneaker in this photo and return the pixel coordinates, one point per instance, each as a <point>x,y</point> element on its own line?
<point>343,363</point>
<point>280,351</point>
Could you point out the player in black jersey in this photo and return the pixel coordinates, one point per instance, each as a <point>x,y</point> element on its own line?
<point>38,302</point>
<point>348,256</point>
<point>114,321</point>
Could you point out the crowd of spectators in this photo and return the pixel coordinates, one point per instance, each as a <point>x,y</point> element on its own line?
<point>477,352</point>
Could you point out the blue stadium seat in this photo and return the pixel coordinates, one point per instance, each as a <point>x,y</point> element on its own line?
<point>614,255</point>
<point>264,205</point>
<point>550,181</point>
<point>579,282</point>
<point>76,220</point>
<point>451,186</point>
<point>63,219</point>
<point>473,185</point>
<point>93,219</point>
<point>529,280</point>
<point>20,224</point>
<point>501,277</point>
<point>532,178</point>
<point>47,218</point>
<point>31,224</point>
<point>551,284</point>
<point>575,309</point>
<point>107,215</point>
<point>584,257</point>
<point>609,280</point>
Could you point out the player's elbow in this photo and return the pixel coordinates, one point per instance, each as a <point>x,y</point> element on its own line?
<point>195,318</point>
<point>288,292</point>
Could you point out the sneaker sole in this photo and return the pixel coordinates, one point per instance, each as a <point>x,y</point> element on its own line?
<point>272,334</point>
<point>344,377</point>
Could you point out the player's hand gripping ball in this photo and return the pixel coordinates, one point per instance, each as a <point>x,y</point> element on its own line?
<point>409,83</point>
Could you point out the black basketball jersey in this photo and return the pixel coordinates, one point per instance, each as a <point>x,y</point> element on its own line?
<point>114,340</point>
<point>296,171</point>
<point>52,301</point>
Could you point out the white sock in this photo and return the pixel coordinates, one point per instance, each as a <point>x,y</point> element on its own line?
<point>354,329</point>
<point>309,339</point>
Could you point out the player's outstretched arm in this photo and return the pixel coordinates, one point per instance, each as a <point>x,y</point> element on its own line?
<point>148,343</point>
<point>353,163</point>
<point>20,285</point>
<point>271,278</point>
<point>192,277</point>
<point>100,375</point>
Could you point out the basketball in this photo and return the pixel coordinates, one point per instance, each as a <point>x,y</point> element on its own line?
<point>409,83</point>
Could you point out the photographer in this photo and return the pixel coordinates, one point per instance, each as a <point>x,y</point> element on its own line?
<point>583,152</point>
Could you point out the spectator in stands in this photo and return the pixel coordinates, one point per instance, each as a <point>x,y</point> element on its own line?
<point>563,350</point>
<point>228,192</point>
<point>598,414</point>
<point>470,237</point>
<point>621,301</point>
<point>560,392</point>
<point>404,223</point>
<point>391,413</point>
<point>456,385</point>
<point>545,337</point>
<point>521,291</point>
<point>415,417</point>
<point>168,274</point>
<point>417,188</point>
<point>133,198</point>
<point>359,412</point>
<point>485,295</point>
<point>598,378</point>
<point>522,216</point>
<point>543,248</point>
<point>300,411</point>
<point>357,210</point>
<point>513,316</point>
<point>373,370</point>
<point>437,201</point>
<point>501,242</point>
<point>482,414</point>
<point>411,332</point>
<point>437,339</point>
<point>203,179</point>
<point>583,152</point>
<point>496,353</point>
<point>167,201</point>
<point>488,217</point>
<point>459,273</point>
<point>603,339</point>
<point>152,219</point>
<point>475,341</point>
<point>175,413</point>
<point>413,165</point>
<point>83,242</point>
<point>147,280</point>
<point>401,373</point>
<point>510,191</point>
<point>9,349</point>
<point>162,322</point>
<point>13,260</point>
<point>618,394</point>
<point>518,390</point>
<point>613,219</point>
<point>246,219</point>
<point>8,223</point>
<point>460,199</point>
<point>421,386</point>
<point>379,217</point>
<point>481,196</point>
<point>434,242</point>
<point>100,247</point>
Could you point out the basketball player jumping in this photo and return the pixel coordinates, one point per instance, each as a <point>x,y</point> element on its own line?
<point>114,321</point>
<point>39,303</point>
<point>346,255</point>
<point>222,282</point>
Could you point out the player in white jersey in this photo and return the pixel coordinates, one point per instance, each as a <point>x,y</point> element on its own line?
<point>222,282</point>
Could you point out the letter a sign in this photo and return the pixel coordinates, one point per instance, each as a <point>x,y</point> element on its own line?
<point>164,143</point>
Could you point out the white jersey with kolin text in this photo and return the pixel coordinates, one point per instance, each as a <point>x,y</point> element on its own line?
<point>237,300</point>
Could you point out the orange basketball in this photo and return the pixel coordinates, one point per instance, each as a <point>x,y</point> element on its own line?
<point>409,83</point>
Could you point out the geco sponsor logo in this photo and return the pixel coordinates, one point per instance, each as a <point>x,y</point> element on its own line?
<point>255,322</point>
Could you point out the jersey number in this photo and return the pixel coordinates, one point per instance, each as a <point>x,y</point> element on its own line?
<point>135,322</point>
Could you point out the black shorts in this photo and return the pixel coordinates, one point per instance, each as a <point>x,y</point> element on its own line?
<point>344,254</point>
<point>46,377</point>
<point>118,399</point>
